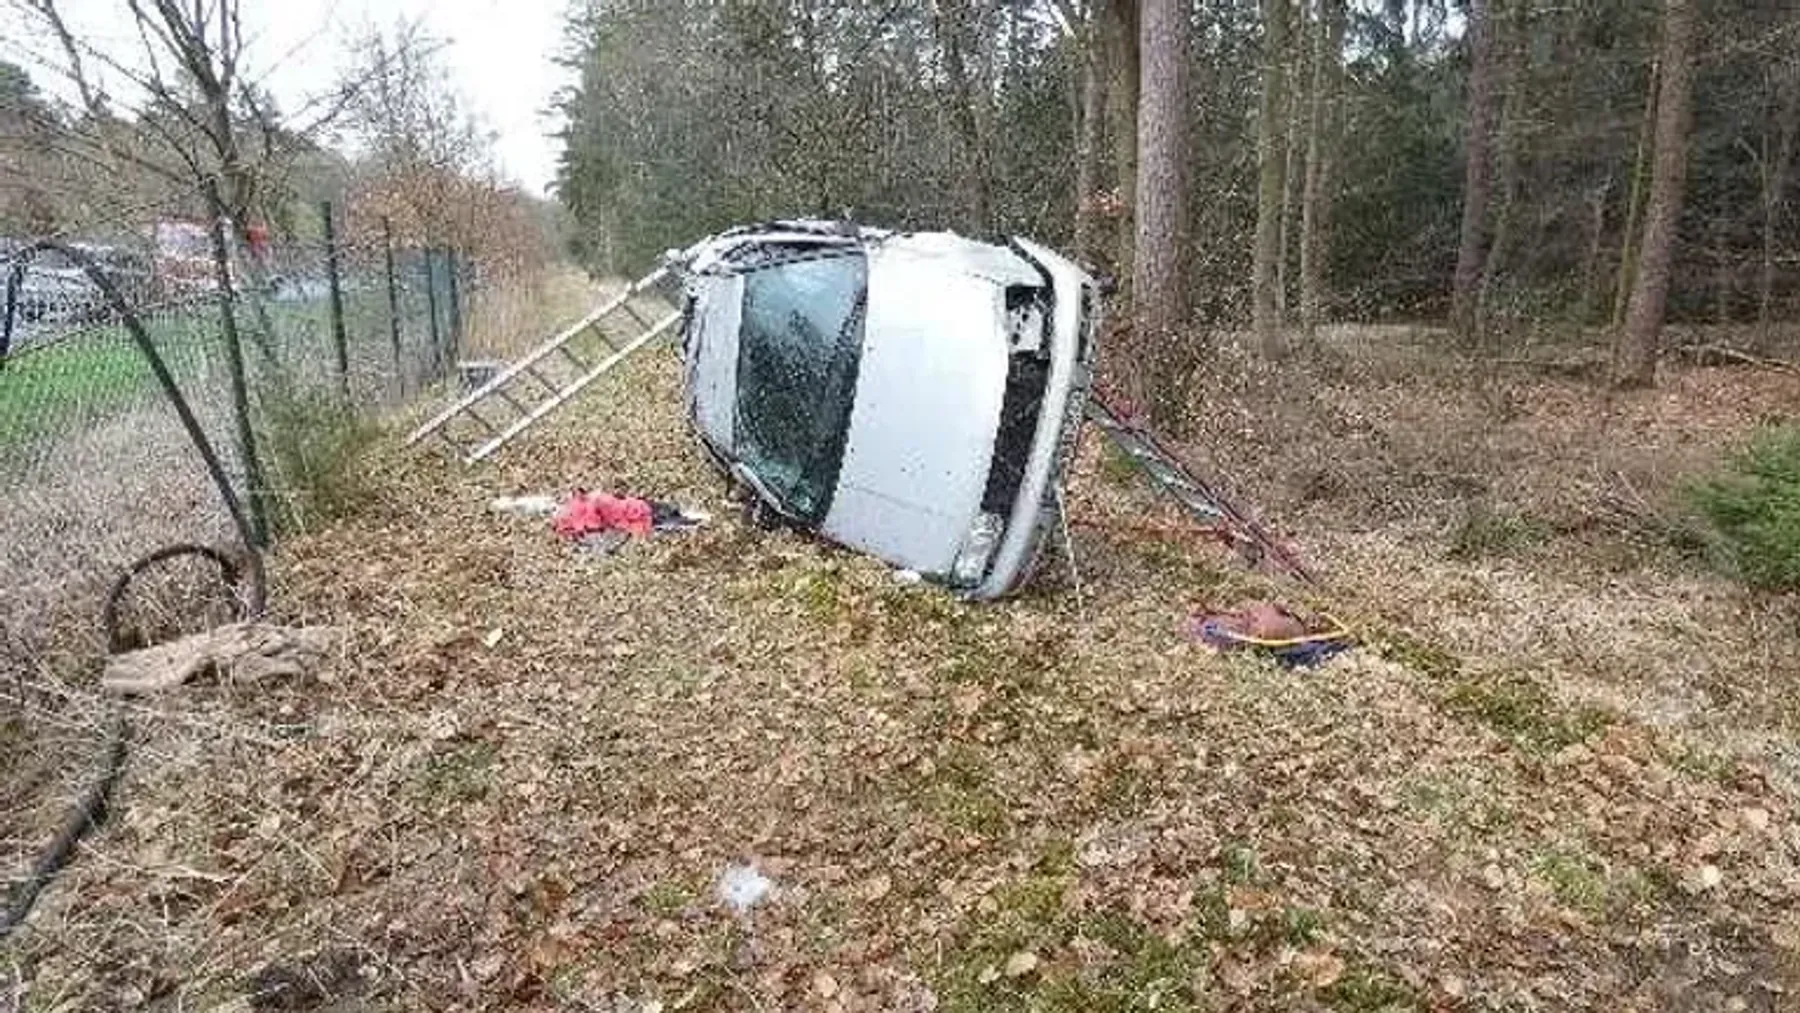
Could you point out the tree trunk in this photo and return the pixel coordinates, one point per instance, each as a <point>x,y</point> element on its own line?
<point>1119,34</point>
<point>1511,42</point>
<point>1160,295</point>
<point>1092,126</point>
<point>951,24</point>
<point>1471,250</point>
<point>1298,98</point>
<point>1723,282</point>
<point>1634,361</point>
<point>1634,202</point>
<point>1321,149</point>
<point>1590,264</point>
<point>1270,162</point>
<point>1774,187</point>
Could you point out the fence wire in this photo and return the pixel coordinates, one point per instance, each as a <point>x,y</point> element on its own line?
<point>95,470</point>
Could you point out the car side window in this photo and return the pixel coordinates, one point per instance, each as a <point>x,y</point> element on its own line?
<point>799,344</point>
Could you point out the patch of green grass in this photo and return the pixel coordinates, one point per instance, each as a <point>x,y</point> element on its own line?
<point>462,773</point>
<point>666,898</point>
<point>1581,882</point>
<point>907,607</point>
<point>54,387</point>
<point>1143,971</point>
<point>1574,877</point>
<point>1414,652</point>
<point>1365,989</point>
<point>960,792</point>
<point>49,390</point>
<point>1123,786</point>
<point>1116,466</point>
<point>1524,712</point>
<point>1240,863</point>
<point>1302,926</point>
<point>1485,531</point>
<point>1701,763</point>
<point>1150,974</point>
<point>820,593</point>
<point>1439,796</point>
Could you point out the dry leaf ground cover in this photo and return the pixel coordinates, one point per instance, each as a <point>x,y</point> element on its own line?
<point>521,781</point>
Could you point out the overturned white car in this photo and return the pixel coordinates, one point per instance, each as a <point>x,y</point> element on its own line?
<point>912,395</point>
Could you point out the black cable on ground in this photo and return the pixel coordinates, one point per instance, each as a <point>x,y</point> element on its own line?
<point>246,589</point>
<point>249,593</point>
<point>88,812</point>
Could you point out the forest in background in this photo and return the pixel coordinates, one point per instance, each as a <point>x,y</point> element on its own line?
<point>1503,166</point>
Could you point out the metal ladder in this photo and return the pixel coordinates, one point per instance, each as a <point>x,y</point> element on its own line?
<point>1200,499</point>
<point>527,390</point>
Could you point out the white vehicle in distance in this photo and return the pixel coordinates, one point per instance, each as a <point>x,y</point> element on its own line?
<point>915,396</point>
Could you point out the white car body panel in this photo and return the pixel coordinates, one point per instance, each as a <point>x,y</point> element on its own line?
<point>928,397</point>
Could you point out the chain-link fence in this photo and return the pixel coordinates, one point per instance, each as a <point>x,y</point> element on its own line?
<point>95,467</point>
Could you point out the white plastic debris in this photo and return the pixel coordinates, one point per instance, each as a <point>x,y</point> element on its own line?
<point>908,577</point>
<point>742,887</point>
<point>524,506</point>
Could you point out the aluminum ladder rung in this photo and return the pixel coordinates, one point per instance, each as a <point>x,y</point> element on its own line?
<point>577,361</point>
<point>532,358</point>
<point>572,389</point>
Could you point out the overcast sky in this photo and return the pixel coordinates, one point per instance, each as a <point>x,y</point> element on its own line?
<point>499,54</point>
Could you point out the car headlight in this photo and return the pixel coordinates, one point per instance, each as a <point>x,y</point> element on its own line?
<point>978,549</point>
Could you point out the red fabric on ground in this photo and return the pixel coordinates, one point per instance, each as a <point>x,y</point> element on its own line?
<point>587,513</point>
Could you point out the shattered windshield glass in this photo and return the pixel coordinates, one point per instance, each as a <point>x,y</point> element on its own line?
<point>799,345</point>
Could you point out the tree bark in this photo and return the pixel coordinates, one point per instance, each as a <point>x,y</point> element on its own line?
<point>1160,299</point>
<point>1292,168</point>
<point>1774,187</point>
<point>1472,246</point>
<point>1270,163</point>
<point>1119,34</point>
<point>1590,264</point>
<point>1510,41</point>
<point>1634,201</point>
<point>1634,363</point>
<point>1092,126</point>
<point>1321,149</point>
<point>951,25</point>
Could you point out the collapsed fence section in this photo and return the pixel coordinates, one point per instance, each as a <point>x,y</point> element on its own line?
<point>95,469</point>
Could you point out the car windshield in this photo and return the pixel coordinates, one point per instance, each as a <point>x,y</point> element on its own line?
<point>799,345</point>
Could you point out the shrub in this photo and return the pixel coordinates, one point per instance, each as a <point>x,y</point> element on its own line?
<point>1753,510</point>
<point>316,444</point>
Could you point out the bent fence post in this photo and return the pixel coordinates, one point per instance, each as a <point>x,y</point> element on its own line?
<point>340,344</point>
<point>431,313</point>
<point>215,469</point>
<point>234,361</point>
<point>393,301</point>
<point>452,270</point>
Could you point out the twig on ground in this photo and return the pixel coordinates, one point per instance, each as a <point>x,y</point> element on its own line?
<point>1729,354</point>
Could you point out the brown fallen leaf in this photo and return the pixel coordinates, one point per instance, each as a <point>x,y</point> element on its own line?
<point>877,887</point>
<point>1021,964</point>
<point>1320,968</point>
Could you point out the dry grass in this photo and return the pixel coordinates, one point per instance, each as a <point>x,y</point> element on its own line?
<point>1455,815</point>
<point>512,318</point>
